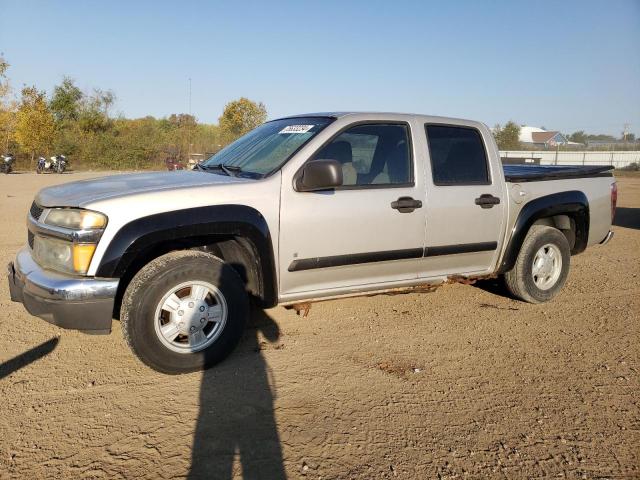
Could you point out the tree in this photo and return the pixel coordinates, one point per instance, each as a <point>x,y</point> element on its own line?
<point>94,111</point>
<point>578,137</point>
<point>602,137</point>
<point>35,127</point>
<point>240,116</point>
<point>508,137</point>
<point>66,101</point>
<point>7,106</point>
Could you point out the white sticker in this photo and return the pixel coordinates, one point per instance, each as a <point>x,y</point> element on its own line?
<point>296,129</point>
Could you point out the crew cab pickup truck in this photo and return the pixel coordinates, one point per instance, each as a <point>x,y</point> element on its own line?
<point>301,209</point>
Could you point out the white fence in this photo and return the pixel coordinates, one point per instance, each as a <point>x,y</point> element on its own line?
<point>617,159</point>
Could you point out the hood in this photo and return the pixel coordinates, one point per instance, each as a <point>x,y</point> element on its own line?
<point>83,192</point>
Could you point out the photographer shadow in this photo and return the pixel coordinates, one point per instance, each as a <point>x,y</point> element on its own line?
<point>237,412</point>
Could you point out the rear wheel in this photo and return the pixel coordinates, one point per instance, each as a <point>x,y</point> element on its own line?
<point>542,265</point>
<point>184,311</point>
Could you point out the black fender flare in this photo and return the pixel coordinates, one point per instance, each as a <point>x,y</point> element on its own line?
<point>221,220</point>
<point>573,203</point>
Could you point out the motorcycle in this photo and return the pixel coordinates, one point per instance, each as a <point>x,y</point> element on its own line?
<point>6,165</point>
<point>57,164</point>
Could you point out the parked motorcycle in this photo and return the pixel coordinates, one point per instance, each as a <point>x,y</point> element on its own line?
<point>6,165</point>
<point>57,164</point>
<point>173,164</point>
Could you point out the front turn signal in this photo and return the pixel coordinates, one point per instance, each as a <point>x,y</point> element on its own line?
<point>82,255</point>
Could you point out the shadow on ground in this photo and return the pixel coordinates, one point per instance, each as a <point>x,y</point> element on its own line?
<point>627,218</point>
<point>30,356</point>
<point>236,412</point>
<point>493,285</point>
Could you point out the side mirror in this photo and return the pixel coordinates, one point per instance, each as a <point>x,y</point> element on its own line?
<point>319,175</point>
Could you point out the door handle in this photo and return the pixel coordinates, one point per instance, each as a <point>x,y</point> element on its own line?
<point>406,204</point>
<point>486,200</point>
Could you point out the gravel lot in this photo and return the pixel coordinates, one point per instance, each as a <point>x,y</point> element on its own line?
<point>460,382</point>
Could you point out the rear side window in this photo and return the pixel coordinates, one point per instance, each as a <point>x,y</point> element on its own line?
<point>457,155</point>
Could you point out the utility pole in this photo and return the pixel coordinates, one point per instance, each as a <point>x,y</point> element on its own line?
<point>189,126</point>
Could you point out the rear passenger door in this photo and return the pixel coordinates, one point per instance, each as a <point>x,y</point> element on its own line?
<point>465,205</point>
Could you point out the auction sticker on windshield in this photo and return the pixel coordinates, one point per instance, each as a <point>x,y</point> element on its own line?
<point>296,129</point>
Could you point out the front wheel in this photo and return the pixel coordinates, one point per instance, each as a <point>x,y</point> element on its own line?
<point>542,265</point>
<point>184,311</point>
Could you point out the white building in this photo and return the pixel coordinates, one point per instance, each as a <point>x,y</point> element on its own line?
<point>539,137</point>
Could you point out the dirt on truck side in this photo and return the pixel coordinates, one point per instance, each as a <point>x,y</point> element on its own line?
<point>462,381</point>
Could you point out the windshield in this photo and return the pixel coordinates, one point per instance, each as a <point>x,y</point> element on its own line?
<point>267,147</point>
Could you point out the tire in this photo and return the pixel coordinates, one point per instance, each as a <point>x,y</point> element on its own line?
<point>541,244</point>
<point>144,317</point>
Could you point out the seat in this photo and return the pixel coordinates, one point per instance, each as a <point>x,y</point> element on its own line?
<point>341,151</point>
<point>397,164</point>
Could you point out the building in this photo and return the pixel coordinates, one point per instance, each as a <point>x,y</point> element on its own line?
<point>540,138</point>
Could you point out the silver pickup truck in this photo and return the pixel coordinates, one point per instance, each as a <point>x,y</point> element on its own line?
<point>301,209</point>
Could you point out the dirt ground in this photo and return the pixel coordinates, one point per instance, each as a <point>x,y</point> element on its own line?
<point>462,382</point>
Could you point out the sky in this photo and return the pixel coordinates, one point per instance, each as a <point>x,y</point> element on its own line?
<point>570,65</point>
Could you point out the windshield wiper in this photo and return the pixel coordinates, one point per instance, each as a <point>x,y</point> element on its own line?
<point>231,170</point>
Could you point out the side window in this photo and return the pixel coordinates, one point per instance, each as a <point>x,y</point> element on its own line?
<point>372,154</point>
<point>457,155</point>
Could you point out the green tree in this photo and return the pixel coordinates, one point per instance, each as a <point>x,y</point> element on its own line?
<point>94,111</point>
<point>578,137</point>
<point>35,127</point>
<point>601,136</point>
<point>507,137</point>
<point>66,101</point>
<point>240,116</point>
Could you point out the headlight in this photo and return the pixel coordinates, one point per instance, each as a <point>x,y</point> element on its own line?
<point>75,219</point>
<point>62,255</point>
<point>70,249</point>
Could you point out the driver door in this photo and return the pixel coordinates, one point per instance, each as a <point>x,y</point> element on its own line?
<point>357,235</point>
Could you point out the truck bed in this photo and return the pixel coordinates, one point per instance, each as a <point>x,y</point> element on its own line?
<point>539,173</point>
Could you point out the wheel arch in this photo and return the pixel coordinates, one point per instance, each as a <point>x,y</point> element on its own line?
<point>236,233</point>
<point>553,210</point>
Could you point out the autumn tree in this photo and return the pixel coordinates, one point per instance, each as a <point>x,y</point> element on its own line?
<point>35,127</point>
<point>240,116</point>
<point>7,106</point>
<point>507,137</point>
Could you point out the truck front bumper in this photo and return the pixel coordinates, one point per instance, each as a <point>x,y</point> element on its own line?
<point>79,303</point>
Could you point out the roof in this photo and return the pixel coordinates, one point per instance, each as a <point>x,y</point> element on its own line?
<point>526,133</point>
<point>377,116</point>
<point>542,137</point>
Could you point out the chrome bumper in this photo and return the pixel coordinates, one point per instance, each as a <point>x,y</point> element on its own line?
<point>606,239</point>
<point>79,303</point>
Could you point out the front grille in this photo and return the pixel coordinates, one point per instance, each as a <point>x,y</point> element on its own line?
<point>35,211</point>
<point>30,240</point>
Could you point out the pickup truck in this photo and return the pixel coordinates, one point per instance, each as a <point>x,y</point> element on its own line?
<point>301,209</point>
